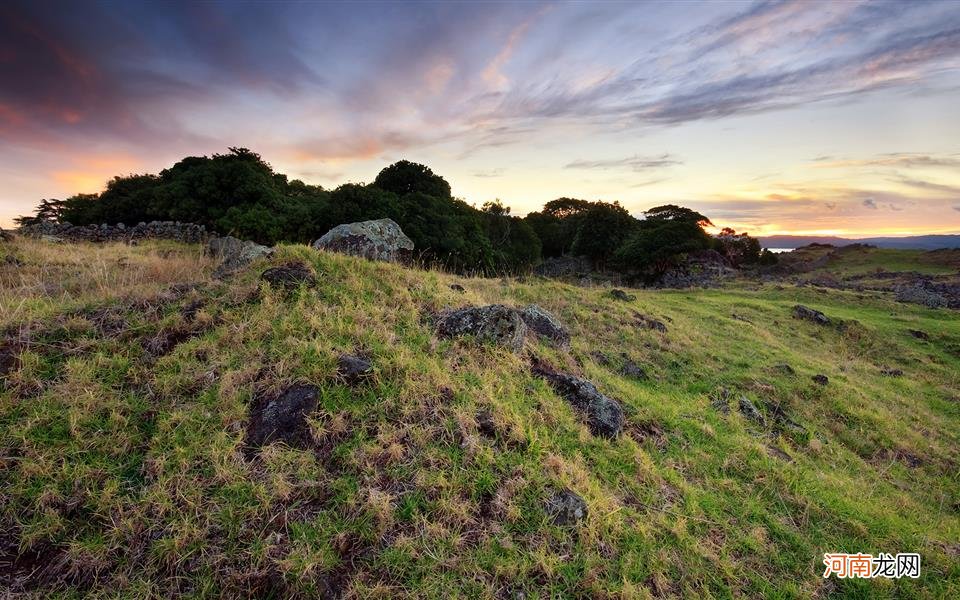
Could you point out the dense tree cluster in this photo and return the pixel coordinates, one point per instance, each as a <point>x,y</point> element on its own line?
<point>240,194</point>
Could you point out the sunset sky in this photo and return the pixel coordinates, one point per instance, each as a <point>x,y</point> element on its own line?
<point>771,117</point>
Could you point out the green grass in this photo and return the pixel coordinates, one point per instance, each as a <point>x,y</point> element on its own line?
<point>862,261</point>
<point>122,473</point>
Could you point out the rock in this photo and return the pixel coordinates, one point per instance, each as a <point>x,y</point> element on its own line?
<point>5,236</point>
<point>381,239</point>
<point>564,266</point>
<point>457,287</point>
<point>486,425</point>
<point>920,335</point>
<point>922,293</point>
<point>720,399</point>
<point>190,233</point>
<point>750,411</point>
<point>12,260</point>
<point>51,239</point>
<point>600,358</point>
<point>545,324</point>
<point>802,312</point>
<point>632,369</point>
<point>604,415</point>
<point>289,275</point>
<point>494,323</point>
<point>820,379</point>
<point>650,322</point>
<point>235,254</point>
<point>785,369</point>
<point>353,370</point>
<point>282,418</point>
<point>621,295</point>
<point>891,372</point>
<point>566,508</point>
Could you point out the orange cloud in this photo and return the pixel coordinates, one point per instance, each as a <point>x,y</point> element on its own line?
<point>91,173</point>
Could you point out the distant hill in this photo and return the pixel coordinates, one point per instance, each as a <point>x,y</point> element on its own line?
<point>919,242</point>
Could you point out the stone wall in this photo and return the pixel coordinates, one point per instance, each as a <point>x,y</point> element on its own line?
<point>190,233</point>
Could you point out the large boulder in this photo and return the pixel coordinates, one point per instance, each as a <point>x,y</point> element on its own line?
<point>495,323</point>
<point>235,254</point>
<point>604,415</point>
<point>545,324</point>
<point>381,239</point>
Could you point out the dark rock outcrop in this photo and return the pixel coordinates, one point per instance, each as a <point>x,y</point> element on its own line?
<point>803,312</point>
<point>564,267</point>
<point>494,323</point>
<point>618,294</point>
<point>631,369</point>
<point>282,418</point>
<point>381,239</point>
<point>749,410</point>
<point>189,233</point>
<point>604,415</point>
<point>923,293</point>
<point>890,372</point>
<point>353,370</point>
<point>820,379</point>
<point>920,335</point>
<point>650,322</point>
<point>457,287</point>
<point>289,275</point>
<point>785,369</point>
<point>545,324</point>
<point>566,508</point>
<point>234,254</point>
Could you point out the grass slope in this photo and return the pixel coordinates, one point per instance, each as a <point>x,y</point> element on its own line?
<point>124,404</point>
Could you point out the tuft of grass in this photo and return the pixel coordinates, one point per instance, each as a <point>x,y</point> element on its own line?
<point>122,424</point>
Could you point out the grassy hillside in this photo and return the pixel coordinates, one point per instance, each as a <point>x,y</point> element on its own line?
<point>128,375</point>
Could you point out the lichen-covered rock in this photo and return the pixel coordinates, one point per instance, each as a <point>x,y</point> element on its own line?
<point>545,324</point>
<point>621,295</point>
<point>922,293</point>
<point>604,415</point>
<point>566,508</point>
<point>750,411</point>
<point>282,418</point>
<point>495,323</point>
<point>235,254</point>
<point>381,239</point>
<point>289,275</point>
<point>803,312</point>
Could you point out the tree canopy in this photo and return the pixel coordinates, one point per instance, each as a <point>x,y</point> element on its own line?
<point>239,193</point>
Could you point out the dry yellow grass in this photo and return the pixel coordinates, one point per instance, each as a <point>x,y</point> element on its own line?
<point>51,277</point>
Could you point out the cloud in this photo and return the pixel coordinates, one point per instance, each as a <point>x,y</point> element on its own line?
<point>902,160</point>
<point>870,203</point>
<point>929,185</point>
<point>488,173</point>
<point>957,208</point>
<point>633,163</point>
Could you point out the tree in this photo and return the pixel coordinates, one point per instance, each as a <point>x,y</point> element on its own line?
<point>739,248</point>
<point>47,210</point>
<point>405,177</point>
<point>672,212</point>
<point>601,229</point>
<point>650,251</point>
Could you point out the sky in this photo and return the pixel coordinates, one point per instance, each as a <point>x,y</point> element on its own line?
<point>770,117</point>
